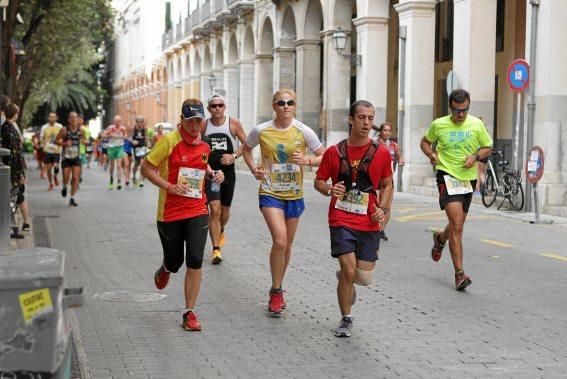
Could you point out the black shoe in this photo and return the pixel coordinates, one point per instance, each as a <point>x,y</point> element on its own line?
<point>127,184</point>
<point>64,192</point>
<point>26,227</point>
<point>383,236</point>
<point>72,202</point>
<point>17,236</point>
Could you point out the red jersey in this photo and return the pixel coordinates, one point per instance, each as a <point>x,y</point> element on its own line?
<point>379,168</point>
<point>180,161</point>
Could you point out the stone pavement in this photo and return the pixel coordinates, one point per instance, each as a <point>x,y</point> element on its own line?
<point>511,322</point>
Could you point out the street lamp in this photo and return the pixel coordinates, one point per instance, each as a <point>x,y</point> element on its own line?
<point>340,39</point>
<point>212,81</point>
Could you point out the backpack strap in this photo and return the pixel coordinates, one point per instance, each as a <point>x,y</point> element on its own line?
<point>368,156</point>
<point>343,155</point>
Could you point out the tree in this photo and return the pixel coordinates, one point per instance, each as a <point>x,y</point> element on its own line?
<point>63,40</point>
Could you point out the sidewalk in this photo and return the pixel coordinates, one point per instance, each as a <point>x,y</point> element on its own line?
<point>410,323</point>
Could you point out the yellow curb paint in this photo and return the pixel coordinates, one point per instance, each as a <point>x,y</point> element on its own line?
<point>437,215</point>
<point>501,244</point>
<point>560,257</point>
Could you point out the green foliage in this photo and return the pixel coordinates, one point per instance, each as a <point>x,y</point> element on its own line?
<point>64,40</point>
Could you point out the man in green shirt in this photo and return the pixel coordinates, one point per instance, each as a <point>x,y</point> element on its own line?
<point>461,141</point>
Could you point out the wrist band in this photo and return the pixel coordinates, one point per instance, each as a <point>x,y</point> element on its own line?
<point>309,159</point>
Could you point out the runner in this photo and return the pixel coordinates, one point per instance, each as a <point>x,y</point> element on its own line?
<point>384,137</point>
<point>357,167</point>
<point>282,144</point>
<point>38,152</point>
<point>116,133</point>
<point>181,158</point>
<point>223,135</point>
<point>462,140</point>
<point>140,143</point>
<point>84,148</point>
<point>127,158</point>
<point>48,134</point>
<point>71,138</point>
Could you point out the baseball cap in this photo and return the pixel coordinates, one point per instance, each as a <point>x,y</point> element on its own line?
<point>215,96</point>
<point>190,111</point>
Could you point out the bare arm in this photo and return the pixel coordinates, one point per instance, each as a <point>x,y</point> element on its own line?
<point>247,155</point>
<point>427,149</point>
<point>399,156</point>
<point>300,159</point>
<point>59,139</point>
<point>151,172</point>
<point>238,130</point>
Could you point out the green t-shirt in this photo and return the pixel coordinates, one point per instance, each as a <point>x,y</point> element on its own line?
<point>87,133</point>
<point>455,142</point>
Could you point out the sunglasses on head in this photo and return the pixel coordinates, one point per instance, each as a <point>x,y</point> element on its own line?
<point>457,110</point>
<point>214,106</point>
<point>281,103</point>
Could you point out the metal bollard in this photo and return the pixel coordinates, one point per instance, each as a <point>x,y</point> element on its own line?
<point>5,216</point>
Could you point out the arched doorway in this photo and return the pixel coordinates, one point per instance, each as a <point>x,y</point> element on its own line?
<point>264,67</point>
<point>247,80</point>
<point>285,54</point>
<point>232,78</point>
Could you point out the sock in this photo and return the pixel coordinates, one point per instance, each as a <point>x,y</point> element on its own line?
<point>349,315</point>
<point>189,310</point>
<point>275,290</point>
<point>216,248</point>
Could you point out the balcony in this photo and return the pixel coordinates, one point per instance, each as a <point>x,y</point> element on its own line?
<point>222,14</point>
<point>196,27</point>
<point>179,31</point>
<point>187,25</point>
<point>240,7</point>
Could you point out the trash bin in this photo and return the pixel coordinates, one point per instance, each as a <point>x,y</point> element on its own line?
<point>5,216</point>
<point>35,335</point>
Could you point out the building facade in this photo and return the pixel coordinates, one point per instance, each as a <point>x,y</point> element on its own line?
<point>397,54</point>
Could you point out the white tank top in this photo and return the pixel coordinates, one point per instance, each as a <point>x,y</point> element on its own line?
<point>222,141</point>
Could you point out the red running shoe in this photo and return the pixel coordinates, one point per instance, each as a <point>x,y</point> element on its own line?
<point>190,322</point>
<point>437,248</point>
<point>275,305</point>
<point>161,278</point>
<point>461,280</point>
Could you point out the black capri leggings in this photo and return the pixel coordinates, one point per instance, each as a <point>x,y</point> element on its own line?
<point>176,235</point>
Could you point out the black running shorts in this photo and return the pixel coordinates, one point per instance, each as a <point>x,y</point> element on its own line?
<point>189,234</point>
<point>66,163</point>
<point>445,198</point>
<point>226,191</point>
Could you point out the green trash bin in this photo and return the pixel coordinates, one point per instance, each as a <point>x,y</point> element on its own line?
<point>35,334</point>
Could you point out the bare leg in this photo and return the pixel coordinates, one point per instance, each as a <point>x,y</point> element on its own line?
<point>454,232</point>
<point>192,286</point>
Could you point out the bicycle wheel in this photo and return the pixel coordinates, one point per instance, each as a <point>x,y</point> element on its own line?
<point>489,191</point>
<point>516,192</point>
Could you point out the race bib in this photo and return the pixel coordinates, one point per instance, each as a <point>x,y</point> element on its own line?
<point>89,148</point>
<point>285,177</point>
<point>354,201</point>
<point>456,186</point>
<point>194,179</point>
<point>140,151</point>
<point>50,148</point>
<point>71,152</point>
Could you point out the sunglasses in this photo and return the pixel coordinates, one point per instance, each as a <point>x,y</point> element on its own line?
<point>282,103</point>
<point>214,106</point>
<point>457,111</point>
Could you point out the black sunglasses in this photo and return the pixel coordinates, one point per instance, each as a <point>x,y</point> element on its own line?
<point>457,111</point>
<point>216,106</point>
<point>281,103</point>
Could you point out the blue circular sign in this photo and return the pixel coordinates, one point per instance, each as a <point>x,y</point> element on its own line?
<point>518,75</point>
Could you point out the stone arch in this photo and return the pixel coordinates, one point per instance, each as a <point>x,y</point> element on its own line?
<point>187,73</point>
<point>219,56</point>
<point>266,37</point>
<point>232,49</point>
<point>313,20</point>
<point>171,73</point>
<point>205,72</point>
<point>285,54</point>
<point>265,72</point>
<point>248,45</point>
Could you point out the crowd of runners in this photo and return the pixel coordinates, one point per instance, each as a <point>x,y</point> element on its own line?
<point>194,168</point>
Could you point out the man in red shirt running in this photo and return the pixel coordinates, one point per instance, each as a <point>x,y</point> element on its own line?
<point>357,167</point>
<point>182,220</point>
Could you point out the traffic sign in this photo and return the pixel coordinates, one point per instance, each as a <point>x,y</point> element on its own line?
<point>534,165</point>
<point>518,75</point>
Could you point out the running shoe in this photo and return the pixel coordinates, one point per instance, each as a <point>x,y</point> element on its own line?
<point>217,257</point>
<point>437,248</point>
<point>55,180</point>
<point>345,325</point>
<point>190,322</point>
<point>462,281</point>
<point>127,183</point>
<point>50,188</point>
<point>64,192</point>
<point>110,186</point>
<point>141,184</point>
<point>135,182</point>
<point>161,278</point>
<point>119,186</point>
<point>72,202</point>
<point>383,235</point>
<point>275,304</point>
<point>221,240</point>
<point>26,227</point>
<point>337,274</point>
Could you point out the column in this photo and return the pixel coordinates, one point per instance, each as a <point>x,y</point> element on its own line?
<point>309,82</point>
<point>170,115</point>
<point>336,92</point>
<point>263,66</point>
<point>474,55</point>
<point>419,19</point>
<point>246,96</point>
<point>372,78</point>
<point>284,67</point>
<point>231,85</point>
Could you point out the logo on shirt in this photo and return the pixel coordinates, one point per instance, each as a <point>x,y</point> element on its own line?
<point>204,158</point>
<point>184,158</point>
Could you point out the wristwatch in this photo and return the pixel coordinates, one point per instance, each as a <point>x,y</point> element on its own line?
<point>329,191</point>
<point>235,156</point>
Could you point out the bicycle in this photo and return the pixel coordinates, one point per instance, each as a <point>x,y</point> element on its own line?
<point>510,188</point>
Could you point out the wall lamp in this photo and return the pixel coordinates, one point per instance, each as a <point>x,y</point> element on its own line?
<point>340,39</point>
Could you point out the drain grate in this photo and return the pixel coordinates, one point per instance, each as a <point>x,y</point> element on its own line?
<point>41,236</point>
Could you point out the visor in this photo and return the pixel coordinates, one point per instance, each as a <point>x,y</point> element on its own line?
<point>192,111</point>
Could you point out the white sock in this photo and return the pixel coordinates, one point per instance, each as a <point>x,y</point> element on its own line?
<point>349,315</point>
<point>189,309</point>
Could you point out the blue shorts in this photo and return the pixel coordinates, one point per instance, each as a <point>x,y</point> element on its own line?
<point>364,244</point>
<point>291,208</point>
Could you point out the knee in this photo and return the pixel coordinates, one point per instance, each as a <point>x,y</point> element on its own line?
<point>457,228</point>
<point>173,265</point>
<point>280,243</point>
<point>348,274</point>
<point>194,262</point>
<point>364,278</point>
<point>215,213</point>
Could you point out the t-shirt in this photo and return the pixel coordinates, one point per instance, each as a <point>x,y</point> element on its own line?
<point>379,168</point>
<point>119,134</point>
<point>455,142</point>
<point>173,157</point>
<point>48,135</point>
<point>284,179</point>
<point>87,134</point>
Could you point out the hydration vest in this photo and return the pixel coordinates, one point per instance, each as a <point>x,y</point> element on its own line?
<point>363,181</point>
